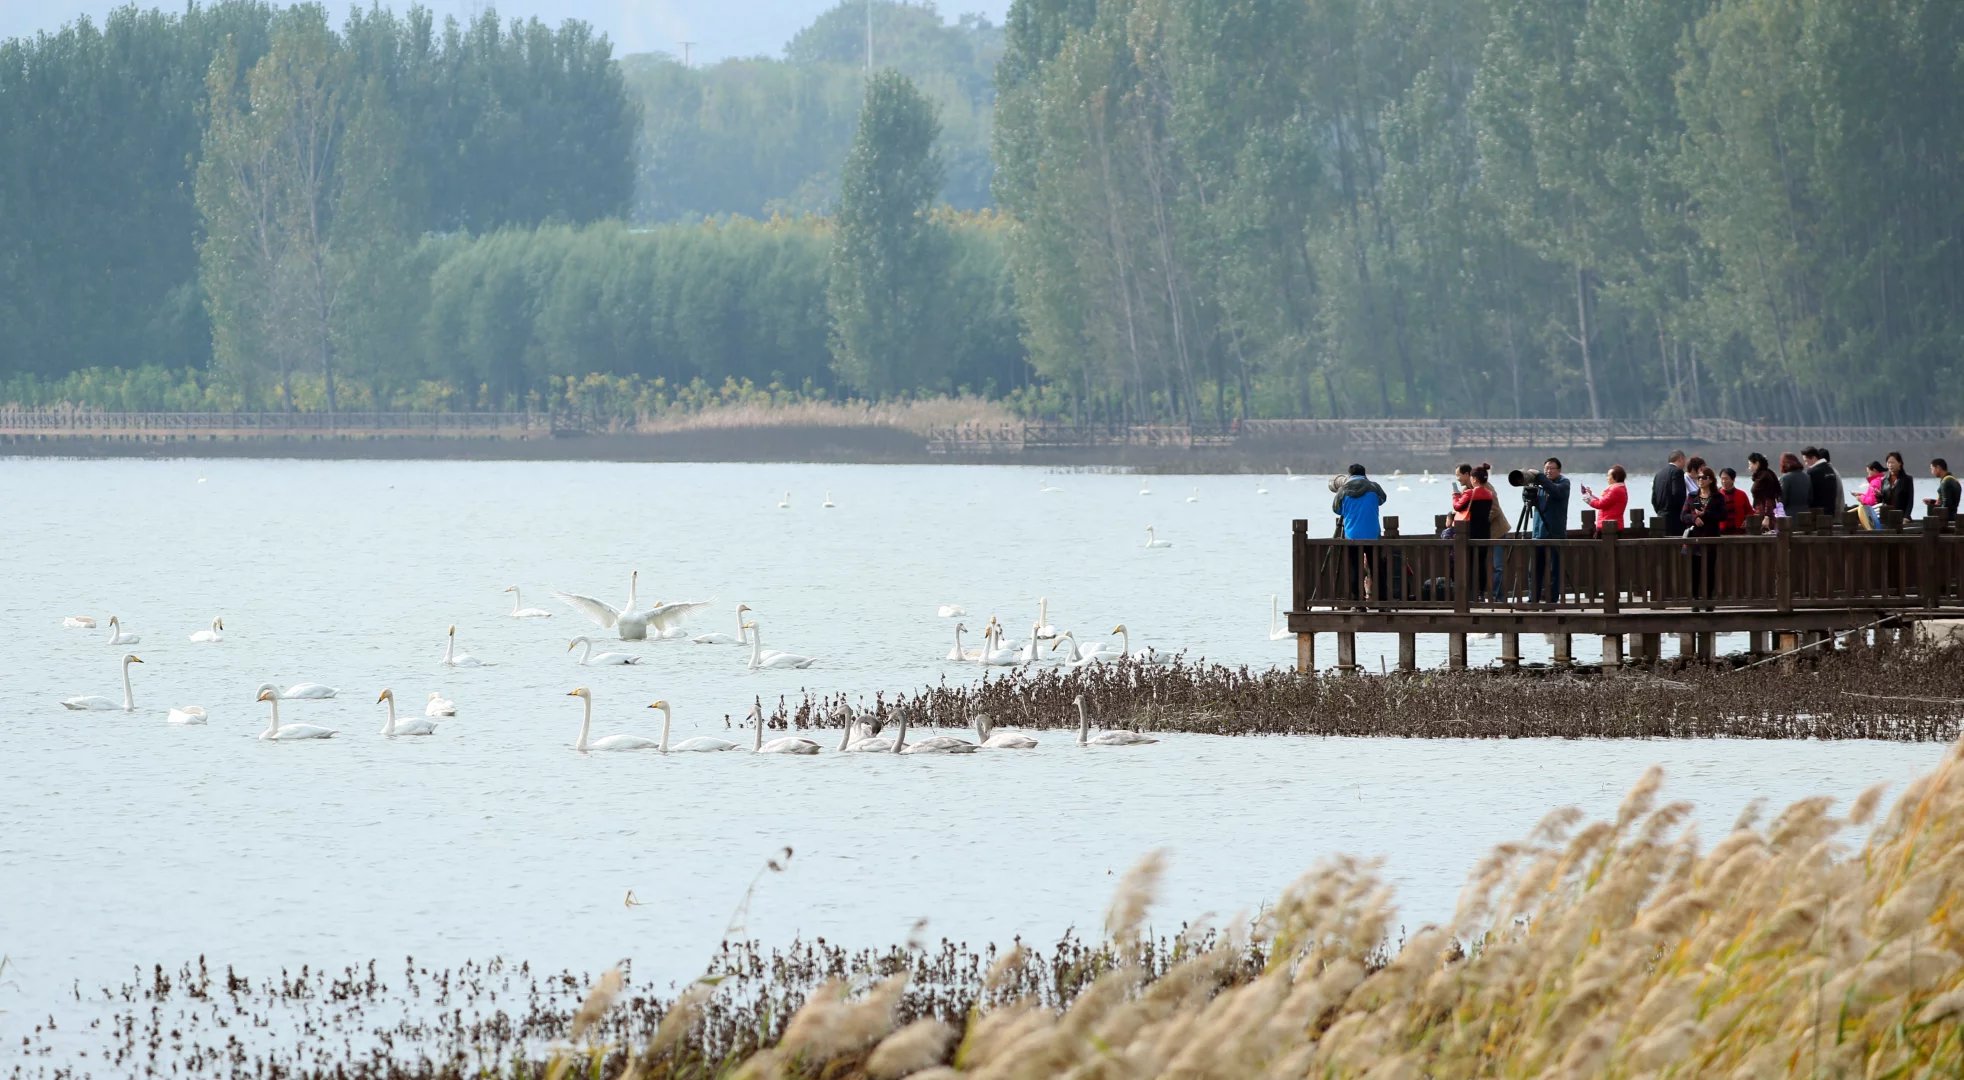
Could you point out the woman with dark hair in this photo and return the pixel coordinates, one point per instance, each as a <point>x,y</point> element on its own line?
<point>1796,489</point>
<point>1609,505</point>
<point>1703,516</point>
<point>1898,487</point>
<point>1475,500</point>
<point>1765,490</point>
<point>1868,503</point>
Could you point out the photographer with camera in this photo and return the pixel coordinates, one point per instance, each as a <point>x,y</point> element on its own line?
<point>1545,495</point>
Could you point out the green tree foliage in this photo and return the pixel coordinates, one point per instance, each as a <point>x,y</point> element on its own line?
<point>889,255</point>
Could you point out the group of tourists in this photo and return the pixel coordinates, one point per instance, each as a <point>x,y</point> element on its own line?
<point>1687,496</point>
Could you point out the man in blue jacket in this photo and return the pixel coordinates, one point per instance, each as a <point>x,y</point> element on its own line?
<point>1550,498</point>
<point>1357,502</point>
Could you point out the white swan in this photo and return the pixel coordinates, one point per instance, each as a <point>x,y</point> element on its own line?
<point>1292,476</point>
<point>959,654</point>
<point>453,658</point>
<point>828,503</point>
<point>291,732</point>
<point>869,743</point>
<point>992,656</point>
<point>606,659</point>
<point>186,715</point>
<point>1029,652</point>
<point>1153,658</point>
<point>1151,542</point>
<point>632,625</point>
<point>1145,486</point>
<point>789,744</point>
<point>938,744</point>
<point>216,633</point>
<point>415,725</point>
<point>1428,478</point>
<point>1404,487</point>
<point>991,739</point>
<point>784,503</point>
<point>99,703</point>
<point>699,745</point>
<point>1114,737</point>
<point>439,705</point>
<point>305,691</point>
<point>117,636</point>
<point>761,659</point>
<point>518,612</point>
<point>605,742</point>
<point>1195,497</point>
<point>1277,629</point>
<point>1044,487</point>
<point>950,611</point>
<point>79,622</point>
<point>1261,488</point>
<point>1044,630</point>
<point>742,636</point>
<point>1125,651</point>
<point>1081,655</point>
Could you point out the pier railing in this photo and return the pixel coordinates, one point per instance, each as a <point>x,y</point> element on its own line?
<point>73,423</point>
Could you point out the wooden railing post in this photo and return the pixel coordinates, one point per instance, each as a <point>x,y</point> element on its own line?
<point>1929,564</point>
<point>1612,589</point>
<point>1783,566</point>
<point>1299,564</point>
<point>1463,571</point>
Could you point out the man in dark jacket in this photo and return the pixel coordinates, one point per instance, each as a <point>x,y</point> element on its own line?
<point>1667,491</point>
<point>1948,487</point>
<point>1357,501</point>
<point>1824,483</point>
<point>1550,523</point>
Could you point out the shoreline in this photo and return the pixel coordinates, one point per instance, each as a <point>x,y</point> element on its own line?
<point>872,445</point>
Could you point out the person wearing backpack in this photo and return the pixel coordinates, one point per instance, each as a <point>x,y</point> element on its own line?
<point>1948,488</point>
<point>1357,501</point>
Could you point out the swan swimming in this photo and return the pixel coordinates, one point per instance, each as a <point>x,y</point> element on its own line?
<point>991,739</point>
<point>606,659</point>
<point>1081,655</point>
<point>632,625</point>
<point>869,743</point>
<point>453,658</point>
<point>216,633</point>
<point>99,703</point>
<point>117,636</point>
<point>79,622</point>
<point>1151,542</point>
<point>699,745</point>
<point>303,691</point>
<point>828,503</point>
<point>773,659</point>
<point>784,503</point>
<point>992,656</point>
<point>1114,737</point>
<point>789,744</point>
<point>1195,497</point>
<point>1277,629</point>
<point>605,742</point>
<point>518,612</point>
<point>950,611</point>
<point>938,744</point>
<point>1125,652</point>
<point>1044,487</point>
<point>186,715</point>
<point>439,705</point>
<point>1291,475</point>
<point>742,636</point>
<point>959,654</point>
<point>1261,488</point>
<point>1028,655</point>
<point>291,732</point>
<point>415,725</point>
<point>1044,630</point>
<point>1145,487</point>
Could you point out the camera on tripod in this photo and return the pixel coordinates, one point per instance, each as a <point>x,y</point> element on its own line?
<point>1528,480</point>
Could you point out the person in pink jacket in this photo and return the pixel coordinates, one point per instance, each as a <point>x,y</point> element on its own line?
<point>1614,499</point>
<point>1870,499</point>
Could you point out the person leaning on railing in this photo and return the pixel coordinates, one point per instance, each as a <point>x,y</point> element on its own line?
<point>1475,500</point>
<point>1948,488</point>
<point>1765,494</point>
<point>1703,516</point>
<point>1738,505</point>
<point>1898,489</point>
<point>1796,487</point>
<point>1550,501</point>
<point>1357,500</point>
<point>1614,500</point>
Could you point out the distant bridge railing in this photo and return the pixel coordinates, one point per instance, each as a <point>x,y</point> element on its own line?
<point>72,423</point>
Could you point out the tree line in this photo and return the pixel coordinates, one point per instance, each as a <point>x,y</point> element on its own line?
<point>1573,208</point>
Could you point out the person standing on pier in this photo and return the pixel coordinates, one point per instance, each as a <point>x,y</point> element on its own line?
<point>1475,500</point>
<point>1948,488</point>
<point>1796,487</point>
<point>1898,489</point>
<point>1738,506</point>
<point>1765,494</point>
<point>1667,490</point>
<point>1358,502</point>
<point>1827,495</point>
<point>1609,505</point>
<point>1703,516</point>
<point>1550,498</point>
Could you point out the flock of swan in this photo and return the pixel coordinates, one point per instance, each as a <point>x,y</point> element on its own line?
<point>662,621</point>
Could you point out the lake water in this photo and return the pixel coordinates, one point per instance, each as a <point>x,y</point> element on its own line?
<point>126,842</point>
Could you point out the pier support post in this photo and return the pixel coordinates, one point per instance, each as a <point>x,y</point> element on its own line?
<point>1687,646</point>
<point>1650,648</point>
<point>1346,652</point>
<point>1456,651</point>
<point>1407,652</point>
<point>1759,643</point>
<point>1510,650</point>
<point>1707,643</point>
<point>1564,650</point>
<point>1305,654</point>
<point>1612,651</point>
<point>1784,643</point>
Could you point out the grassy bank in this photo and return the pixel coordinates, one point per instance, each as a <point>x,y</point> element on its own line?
<point>1614,948</point>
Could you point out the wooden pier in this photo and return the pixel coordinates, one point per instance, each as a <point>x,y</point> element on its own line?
<point>1805,582</point>
<point>19,425</point>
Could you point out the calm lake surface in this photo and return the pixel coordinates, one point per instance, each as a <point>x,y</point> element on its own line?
<point>125,841</point>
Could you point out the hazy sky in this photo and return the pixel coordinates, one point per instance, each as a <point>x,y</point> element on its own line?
<point>719,28</point>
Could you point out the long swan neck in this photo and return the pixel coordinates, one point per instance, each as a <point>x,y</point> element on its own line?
<point>586,722</point>
<point>666,718</point>
<point>449,647</point>
<point>1083,724</point>
<point>129,699</point>
<point>586,650</point>
<point>758,718</point>
<point>515,601</point>
<point>1125,639</point>
<point>273,726</point>
<point>389,728</point>
<point>900,737</point>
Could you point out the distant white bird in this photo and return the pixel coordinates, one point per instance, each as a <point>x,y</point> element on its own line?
<point>99,703</point>
<point>950,611</point>
<point>186,715</point>
<point>959,654</point>
<point>1145,486</point>
<point>784,503</point>
<point>1081,655</point>
<point>938,744</point>
<point>439,705</point>
<point>699,745</point>
<point>997,657</point>
<point>453,658</point>
<point>1404,487</point>
<point>789,744</point>
<point>1151,542</point>
<point>869,743</point>
<point>308,691</point>
<point>605,742</point>
<point>760,659</point>
<point>415,725</point>
<point>1114,737</point>
<point>828,503</point>
<point>1261,488</point>
<point>1292,476</point>
<point>1277,629</point>
<point>606,659</point>
<point>291,732</point>
<point>632,624</point>
<point>79,622</point>
<point>117,636</point>
<point>1044,630</point>
<point>1428,478</point>
<point>518,612</point>
<point>1195,497</point>
<point>216,633</point>
<point>742,637</point>
<point>991,739</point>
<point>1044,487</point>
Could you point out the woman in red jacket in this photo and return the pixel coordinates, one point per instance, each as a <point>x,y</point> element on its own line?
<point>1738,505</point>
<point>1609,505</point>
<point>1474,500</point>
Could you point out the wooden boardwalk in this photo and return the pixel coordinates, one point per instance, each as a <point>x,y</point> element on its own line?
<point>1787,589</point>
<point>31,425</point>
